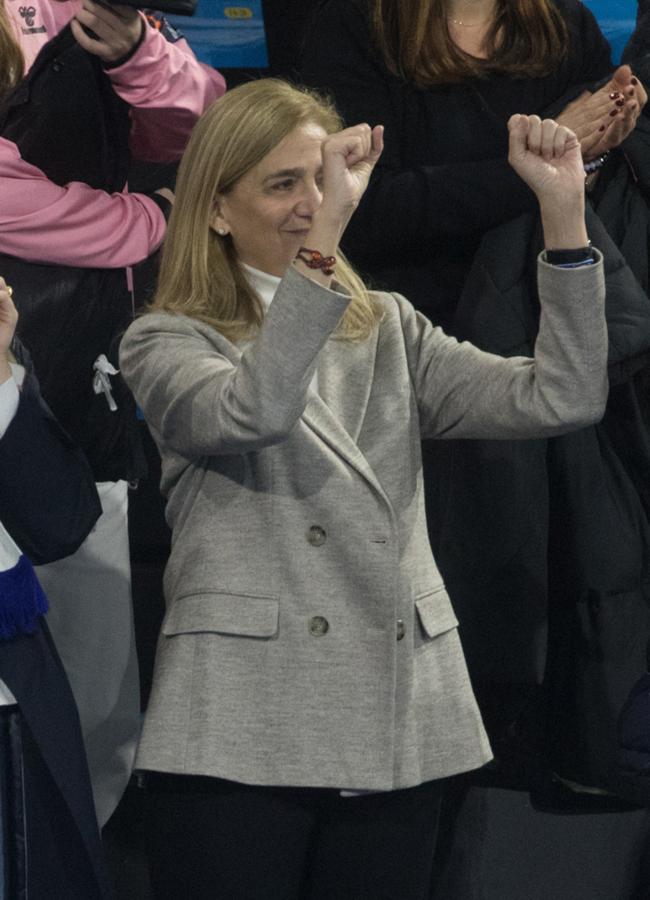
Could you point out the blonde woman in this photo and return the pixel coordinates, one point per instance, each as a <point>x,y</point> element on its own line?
<point>310,692</point>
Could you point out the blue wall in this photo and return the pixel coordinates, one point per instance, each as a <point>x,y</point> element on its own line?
<point>616,19</point>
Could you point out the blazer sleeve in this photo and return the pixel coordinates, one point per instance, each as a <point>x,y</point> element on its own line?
<point>464,392</point>
<point>203,396</point>
<point>48,499</point>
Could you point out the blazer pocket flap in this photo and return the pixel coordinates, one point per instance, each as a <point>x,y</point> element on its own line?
<point>224,614</point>
<point>435,612</point>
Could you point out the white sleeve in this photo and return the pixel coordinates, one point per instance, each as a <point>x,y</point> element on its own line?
<point>9,397</point>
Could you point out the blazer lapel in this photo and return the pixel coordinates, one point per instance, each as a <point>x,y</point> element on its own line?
<point>344,372</point>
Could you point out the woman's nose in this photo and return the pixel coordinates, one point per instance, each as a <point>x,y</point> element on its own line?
<point>311,198</point>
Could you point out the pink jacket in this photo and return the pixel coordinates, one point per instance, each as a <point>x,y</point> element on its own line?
<point>78,225</point>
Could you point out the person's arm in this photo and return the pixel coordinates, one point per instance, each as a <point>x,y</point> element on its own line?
<point>72,225</point>
<point>199,395</point>
<point>204,401</point>
<point>159,77</point>
<point>464,392</point>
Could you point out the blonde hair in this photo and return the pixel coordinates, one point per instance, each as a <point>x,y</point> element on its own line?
<point>12,63</point>
<point>199,273</point>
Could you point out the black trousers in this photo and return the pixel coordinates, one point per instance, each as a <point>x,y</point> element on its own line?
<point>210,839</point>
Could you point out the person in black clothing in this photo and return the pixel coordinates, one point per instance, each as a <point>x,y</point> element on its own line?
<point>444,178</point>
<point>558,531</point>
<point>49,839</point>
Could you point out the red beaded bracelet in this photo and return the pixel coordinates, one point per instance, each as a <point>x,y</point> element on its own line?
<point>316,260</point>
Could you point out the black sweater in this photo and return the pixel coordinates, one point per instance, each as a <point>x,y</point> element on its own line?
<point>443,178</point>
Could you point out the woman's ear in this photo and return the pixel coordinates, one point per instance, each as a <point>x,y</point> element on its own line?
<point>218,221</point>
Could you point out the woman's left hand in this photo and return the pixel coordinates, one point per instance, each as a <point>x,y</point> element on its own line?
<point>116,30</point>
<point>547,156</point>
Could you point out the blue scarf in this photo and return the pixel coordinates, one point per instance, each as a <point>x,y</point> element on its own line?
<point>22,600</point>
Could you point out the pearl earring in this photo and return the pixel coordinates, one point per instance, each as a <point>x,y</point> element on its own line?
<point>221,231</point>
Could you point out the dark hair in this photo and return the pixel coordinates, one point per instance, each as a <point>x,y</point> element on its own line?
<point>527,37</point>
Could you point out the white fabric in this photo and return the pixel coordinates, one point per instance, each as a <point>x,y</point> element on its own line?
<point>91,620</point>
<point>10,395</point>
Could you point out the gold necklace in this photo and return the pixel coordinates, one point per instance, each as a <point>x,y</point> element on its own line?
<point>466,24</point>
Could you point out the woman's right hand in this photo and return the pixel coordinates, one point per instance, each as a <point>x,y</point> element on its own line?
<point>349,156</point>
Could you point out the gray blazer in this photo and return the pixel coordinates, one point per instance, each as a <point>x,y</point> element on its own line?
<point>309,639</point>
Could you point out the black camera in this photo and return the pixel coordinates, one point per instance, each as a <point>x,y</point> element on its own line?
<point>171,7</point>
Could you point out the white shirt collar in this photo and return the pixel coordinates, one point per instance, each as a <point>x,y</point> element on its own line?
<point>263,284</point>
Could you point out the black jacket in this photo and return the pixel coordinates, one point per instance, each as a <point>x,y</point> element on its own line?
<point>48,503</point>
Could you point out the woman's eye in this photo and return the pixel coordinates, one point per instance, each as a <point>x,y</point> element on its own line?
<point>285,185</point>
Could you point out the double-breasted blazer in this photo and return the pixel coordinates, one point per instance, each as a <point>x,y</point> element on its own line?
<point>308,638</point>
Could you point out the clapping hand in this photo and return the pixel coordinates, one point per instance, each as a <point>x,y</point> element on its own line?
<point>602,120</point>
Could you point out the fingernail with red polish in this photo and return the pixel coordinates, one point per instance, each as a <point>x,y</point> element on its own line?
<point>620,102</point>
<point>614,95</point>
<point>630,93</point>
<point>613,112</point>
<point>602,128</point>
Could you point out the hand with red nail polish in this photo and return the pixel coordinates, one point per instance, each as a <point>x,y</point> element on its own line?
<point>588,117</point>
<point>624,96</point>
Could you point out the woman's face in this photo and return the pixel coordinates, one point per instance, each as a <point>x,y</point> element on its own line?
<point>268,212</point>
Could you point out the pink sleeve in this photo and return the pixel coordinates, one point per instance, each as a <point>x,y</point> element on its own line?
<point>75,225</point>
<point>168,89</point>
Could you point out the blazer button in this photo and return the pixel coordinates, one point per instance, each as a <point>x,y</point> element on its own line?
<point>316,536</point>
<point>318,626</point>
<point>401,629</point>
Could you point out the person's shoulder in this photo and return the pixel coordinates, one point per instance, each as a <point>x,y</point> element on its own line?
<point>574,11</point>
<point>164,320</point>
<point>393,308</point>
<point>161,324</point>
<point>342,10</point>
<point>569,7</point>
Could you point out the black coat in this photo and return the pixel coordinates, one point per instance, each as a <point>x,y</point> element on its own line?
<point>545,545</point>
